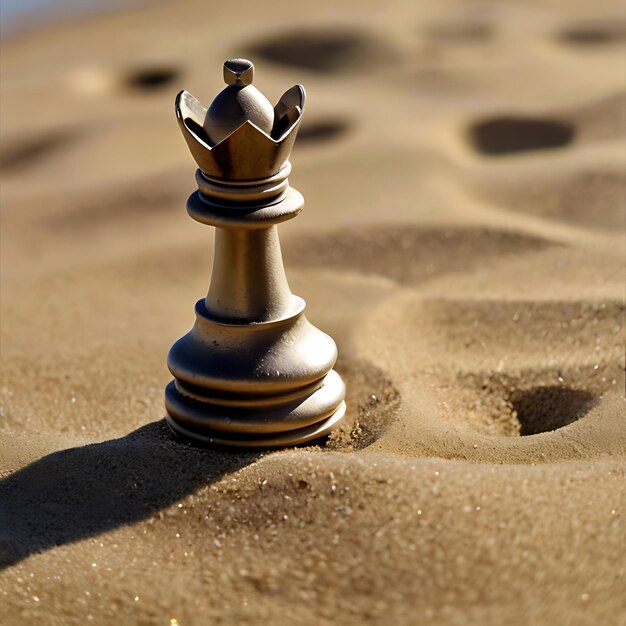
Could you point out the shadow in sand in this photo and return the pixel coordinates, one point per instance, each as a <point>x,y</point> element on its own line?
<point>543,409</point>
<point>80,492</point>
<point>22,153</point>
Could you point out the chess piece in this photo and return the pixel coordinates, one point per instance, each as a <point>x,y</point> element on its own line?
<point>253,371</point>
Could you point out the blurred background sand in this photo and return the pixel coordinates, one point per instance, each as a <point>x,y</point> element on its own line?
<point>463,240</point>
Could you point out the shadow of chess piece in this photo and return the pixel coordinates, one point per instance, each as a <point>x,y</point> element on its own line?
<point>253,371</point>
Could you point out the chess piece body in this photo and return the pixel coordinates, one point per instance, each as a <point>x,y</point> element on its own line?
<point>253,371</point>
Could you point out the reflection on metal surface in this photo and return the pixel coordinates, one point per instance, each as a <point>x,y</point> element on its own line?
<point>253,371</point>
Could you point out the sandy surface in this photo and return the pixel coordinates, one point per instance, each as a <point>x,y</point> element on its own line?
<point>463,241</point>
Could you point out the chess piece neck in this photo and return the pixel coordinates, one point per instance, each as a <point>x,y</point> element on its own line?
<point>248,282</point>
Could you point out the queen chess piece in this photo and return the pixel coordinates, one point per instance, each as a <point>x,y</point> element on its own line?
<point>253,371</point>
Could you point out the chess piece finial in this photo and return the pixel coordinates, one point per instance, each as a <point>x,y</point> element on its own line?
<point>253,371</point>
<point>239,103</point>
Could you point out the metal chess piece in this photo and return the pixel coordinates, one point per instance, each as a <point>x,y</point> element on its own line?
<point>253,371</point>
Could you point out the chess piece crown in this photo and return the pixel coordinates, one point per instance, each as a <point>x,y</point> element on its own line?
<point>240,136</point>
<point>253,371</point>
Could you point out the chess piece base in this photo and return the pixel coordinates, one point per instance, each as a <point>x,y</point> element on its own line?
<point>194,420</point>
<point>263,384</point>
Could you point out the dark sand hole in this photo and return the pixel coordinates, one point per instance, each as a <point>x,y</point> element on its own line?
<point>25,152</point>
<point>321,51</point>
<point>594,34</point>
<point>322,130</point>
<point>152,79</point>
<point>543,409</point>
<point>508,135</point>
<point>372,403</point>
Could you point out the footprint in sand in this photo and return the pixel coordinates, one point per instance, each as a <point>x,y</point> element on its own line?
<point>331,51</point>
<point>509,382</point>
<point>502,135</point>
<point>506,376</point>
<point>511,134</point>
<point>594,34</point>
<point>150,79</point>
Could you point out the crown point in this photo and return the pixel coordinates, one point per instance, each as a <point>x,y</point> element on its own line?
<point>238,72</point>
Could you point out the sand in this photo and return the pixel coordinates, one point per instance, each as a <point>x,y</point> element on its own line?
<point>463,241</point>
